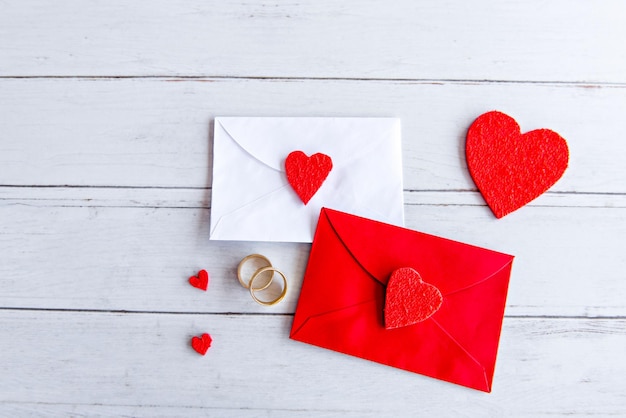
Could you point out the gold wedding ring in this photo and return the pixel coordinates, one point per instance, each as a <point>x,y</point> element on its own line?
<point>247,284</point>
<point>254,289</point>
<point>251,283</point>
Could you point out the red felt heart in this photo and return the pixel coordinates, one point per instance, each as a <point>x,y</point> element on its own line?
<point>201,344</point>
<point>409,300</point>
<point>201,281</point>
<point>510,168</point>
<point>306,174</point>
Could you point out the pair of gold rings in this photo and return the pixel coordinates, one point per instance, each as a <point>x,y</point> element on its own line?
<point>255,283</point>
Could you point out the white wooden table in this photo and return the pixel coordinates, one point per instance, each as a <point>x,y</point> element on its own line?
<point>106,112</point>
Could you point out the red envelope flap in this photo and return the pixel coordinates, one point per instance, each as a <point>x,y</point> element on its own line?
<point>381,248</point>
<point>424,348</point>
<point>337,284</point>
<point>473,318</point>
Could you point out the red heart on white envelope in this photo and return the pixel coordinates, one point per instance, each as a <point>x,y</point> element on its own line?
<point>306,174</point>
<point>409,299</point>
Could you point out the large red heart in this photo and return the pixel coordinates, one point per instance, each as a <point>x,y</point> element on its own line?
<point>306,174</point>
<point>510,168</point>
<point>408,299</point>
<point>201,281</point>
<point>201,344</point>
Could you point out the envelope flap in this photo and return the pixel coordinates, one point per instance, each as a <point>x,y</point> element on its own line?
<point>381,248</point>
<point>339,280</point>
<point>424,348</point>
<point>270,140</point>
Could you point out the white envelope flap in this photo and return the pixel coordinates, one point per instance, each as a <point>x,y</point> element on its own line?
<point>270,140</point>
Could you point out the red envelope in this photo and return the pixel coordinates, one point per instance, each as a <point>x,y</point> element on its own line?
<point>343,295</point>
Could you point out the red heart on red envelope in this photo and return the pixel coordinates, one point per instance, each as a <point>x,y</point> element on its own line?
<point>201,281</point>
<point>510,168</point>
<point>408,299</point>
<point>201,344</point>
<point>306,174</point>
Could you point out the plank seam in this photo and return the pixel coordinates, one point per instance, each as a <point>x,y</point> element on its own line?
<point>174,77</point>
<point>277,314</point>
<point>127,187</point>
<point>203,407</point>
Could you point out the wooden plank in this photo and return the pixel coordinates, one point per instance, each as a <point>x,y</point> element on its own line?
<point>139,258</point>
<point>556,367</point>
<point>518,40</point>
<point>156,132</point>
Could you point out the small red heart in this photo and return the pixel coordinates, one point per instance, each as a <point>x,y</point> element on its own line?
<point>201,281</point>
<point>201,344</point>
<point>409,300</point>
<point>510,168</point>
<point>306,174</point>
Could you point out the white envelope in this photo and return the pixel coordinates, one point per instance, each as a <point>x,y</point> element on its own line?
<point>252,199</point>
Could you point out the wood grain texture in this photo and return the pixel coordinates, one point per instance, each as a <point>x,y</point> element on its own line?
<point>156,132</point>
<point>106,113</point>
<point>133,360</point>
<point>139,258</point>
<point>560,40</point>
